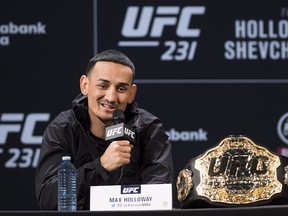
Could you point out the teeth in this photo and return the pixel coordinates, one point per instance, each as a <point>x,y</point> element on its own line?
<point>106,106</point>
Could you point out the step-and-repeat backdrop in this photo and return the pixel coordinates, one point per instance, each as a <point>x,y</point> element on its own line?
<point>207,69</point>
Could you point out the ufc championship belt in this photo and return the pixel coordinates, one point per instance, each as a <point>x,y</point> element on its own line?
<point>236,172</point>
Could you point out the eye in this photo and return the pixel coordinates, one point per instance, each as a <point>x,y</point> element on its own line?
<point>122,88</point>
<point>103,86</point>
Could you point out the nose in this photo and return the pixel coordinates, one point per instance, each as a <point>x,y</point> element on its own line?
<point>111,95</point>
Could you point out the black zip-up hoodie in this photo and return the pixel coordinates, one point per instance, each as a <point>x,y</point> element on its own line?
<point>68,134</point>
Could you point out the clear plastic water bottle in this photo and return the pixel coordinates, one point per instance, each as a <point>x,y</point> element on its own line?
<point>67,197</point>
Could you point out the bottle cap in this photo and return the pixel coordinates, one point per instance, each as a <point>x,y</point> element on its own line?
<point>66,158</point>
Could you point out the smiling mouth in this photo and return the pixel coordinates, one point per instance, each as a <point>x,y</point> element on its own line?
<point>109,106</point>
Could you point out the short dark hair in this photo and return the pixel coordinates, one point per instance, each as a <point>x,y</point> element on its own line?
<point>111,56</point>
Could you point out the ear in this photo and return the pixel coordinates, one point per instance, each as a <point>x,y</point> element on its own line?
<point>132,93</point>
<point>84,83</point>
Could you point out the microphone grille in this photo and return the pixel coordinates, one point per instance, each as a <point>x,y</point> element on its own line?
<point>118,117</point>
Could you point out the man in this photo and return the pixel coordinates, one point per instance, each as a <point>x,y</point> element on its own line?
<point>80,132</point>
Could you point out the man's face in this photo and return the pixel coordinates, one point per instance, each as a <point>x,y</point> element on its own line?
<point>108,87</point>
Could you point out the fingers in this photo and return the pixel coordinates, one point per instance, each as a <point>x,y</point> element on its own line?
<point>116,155</point>
<point>125,149</point>
<point>122,146</point>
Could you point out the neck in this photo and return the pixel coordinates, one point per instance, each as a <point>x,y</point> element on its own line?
<point>97,127</point>
<point>98,131</point>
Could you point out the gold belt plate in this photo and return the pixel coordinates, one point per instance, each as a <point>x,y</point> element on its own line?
<point>237,171</point>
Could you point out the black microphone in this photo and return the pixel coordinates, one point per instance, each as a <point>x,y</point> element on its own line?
<point>119,130</point>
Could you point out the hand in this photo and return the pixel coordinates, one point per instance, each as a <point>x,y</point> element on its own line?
<point>116,155</point>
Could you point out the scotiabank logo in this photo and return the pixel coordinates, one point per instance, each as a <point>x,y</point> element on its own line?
<point>11,29</point>
<point>146,27</point>
<point>197,135</point>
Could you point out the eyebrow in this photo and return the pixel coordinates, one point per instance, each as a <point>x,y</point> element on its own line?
<point>103,80</point>
<point>107,81</point>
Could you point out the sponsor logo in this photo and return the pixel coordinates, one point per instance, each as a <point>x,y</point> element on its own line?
<point>19,29</point>
<point>119,130</point>
<point>282,128</point>
<point>145,27</point>
<point>114,131</point>
<point>135,189</point>
<point>25,125</point>
<point>199,135</point>
<point>18,123</point>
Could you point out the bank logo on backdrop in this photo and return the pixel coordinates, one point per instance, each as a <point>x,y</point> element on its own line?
<point>282,128</point>
<point>199,135</point>
<point>10,29</point>
<point>146,27</point>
